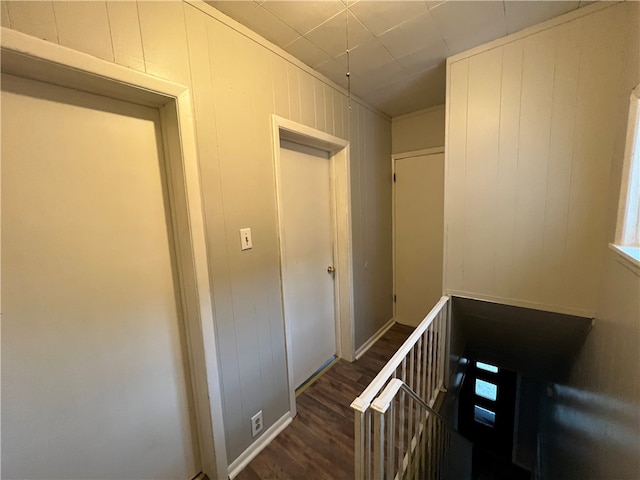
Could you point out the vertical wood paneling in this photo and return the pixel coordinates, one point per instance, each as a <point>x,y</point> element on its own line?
<point>164,40</point>
<point>307,100</point>
<point>124,25</point>
<point>222,280</point>
<point>4,15</point>
<point>33,18</point>
<point>563,118</point>
<point>483,108</point>
<point>338,119</point>
<point>265,267</point>
<point>199,34</point>
<point>293,75</point>
<point>344,112</point>
<point>538,68</point>
<point>455,174</point>
<point>84,26</point>
<point>328,109</point>
<point>318,91</point>
<point>280,86</point>
<point>558,121</point>
<point>506,184</point>
<point>600,74</point>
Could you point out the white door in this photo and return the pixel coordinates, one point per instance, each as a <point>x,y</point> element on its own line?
<point>419,232</point>
<point>94,383</point>
<point>307,245</point>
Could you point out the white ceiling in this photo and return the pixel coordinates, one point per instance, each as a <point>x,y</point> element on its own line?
<point>397,48</point>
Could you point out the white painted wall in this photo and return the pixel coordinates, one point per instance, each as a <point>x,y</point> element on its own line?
<point>418,130</point>
<point>238,81</point>
<point>536,129</point>
<point>531,123</point>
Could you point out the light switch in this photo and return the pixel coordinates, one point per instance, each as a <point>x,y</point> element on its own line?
<point>245,239</point>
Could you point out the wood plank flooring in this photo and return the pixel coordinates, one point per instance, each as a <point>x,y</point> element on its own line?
<point>318,444</point>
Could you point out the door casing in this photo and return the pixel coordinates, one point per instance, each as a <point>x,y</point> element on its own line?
<point>338,148</point>
<point>32,58</point>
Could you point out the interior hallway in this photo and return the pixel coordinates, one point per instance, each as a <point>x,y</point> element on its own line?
<point>319,442</point>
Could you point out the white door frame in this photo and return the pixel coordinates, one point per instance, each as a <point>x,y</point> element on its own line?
<point>338,149</point>
<point>394,157</point>
<point>36,59</point>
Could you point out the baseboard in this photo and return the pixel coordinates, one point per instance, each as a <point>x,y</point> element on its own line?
<point>256,447</point>
<point>369,343</point>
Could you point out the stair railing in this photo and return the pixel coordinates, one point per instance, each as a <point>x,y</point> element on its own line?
<point>421,363</point>
<point>423,446</point>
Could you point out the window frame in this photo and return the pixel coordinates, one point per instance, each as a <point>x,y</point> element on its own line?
<point>627,239</point>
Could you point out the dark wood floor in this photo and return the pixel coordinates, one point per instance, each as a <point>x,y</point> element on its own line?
<point>318,444</point>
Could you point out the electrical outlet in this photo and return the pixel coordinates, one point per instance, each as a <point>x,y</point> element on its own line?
<point>256,424</point>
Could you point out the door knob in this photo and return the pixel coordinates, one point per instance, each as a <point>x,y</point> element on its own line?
<point>331,269</point>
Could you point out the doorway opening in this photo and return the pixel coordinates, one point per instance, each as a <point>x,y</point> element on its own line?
<point>309,163</point>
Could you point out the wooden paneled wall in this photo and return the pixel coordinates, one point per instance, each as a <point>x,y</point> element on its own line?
<point>532,123</point>
<point>238,81</point>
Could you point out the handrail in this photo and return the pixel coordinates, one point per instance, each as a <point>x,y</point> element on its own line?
<point>366,397</point>
<point>421,363</point>
<point>382,403</point>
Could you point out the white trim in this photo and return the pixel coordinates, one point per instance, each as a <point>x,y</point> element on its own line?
<point>338,149</point>
<point>532,30</point>
<point>251,35</point>
<point>376,336</point>
<point>256,447</point>
<point>627,219</point>
<point>417,153</point>
<point>37,59</point>
<point>521,303</point>
<point>627,258</point>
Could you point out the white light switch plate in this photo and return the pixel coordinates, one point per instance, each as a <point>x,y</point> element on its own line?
<point>245,239</point>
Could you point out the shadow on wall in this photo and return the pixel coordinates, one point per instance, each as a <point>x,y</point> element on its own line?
<point>582,428</point>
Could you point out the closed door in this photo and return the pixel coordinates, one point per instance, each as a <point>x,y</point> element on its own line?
<point>94,378</point>
<point>307,246</point>
<point>419,232</point>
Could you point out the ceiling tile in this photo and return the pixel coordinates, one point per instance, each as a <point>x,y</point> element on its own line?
<point>424,58</point>
<point>466,24</point>
<point>304,50</point>
<point>304,16</point>
<point>264,23</point>
<point>419,32</point>
<point>380,16</point>
<point>434,3</point>
<point>335,71</point>
<point>433,77</point>
<point>331,36</point>
<point>526,13</point>
<point>366,57</point>
<point>384,75</point>
<point>399,98</point>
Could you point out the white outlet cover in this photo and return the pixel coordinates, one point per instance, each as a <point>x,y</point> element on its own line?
<point>256,424</point>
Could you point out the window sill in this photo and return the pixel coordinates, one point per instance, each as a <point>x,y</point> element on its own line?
<point>630,256</point>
